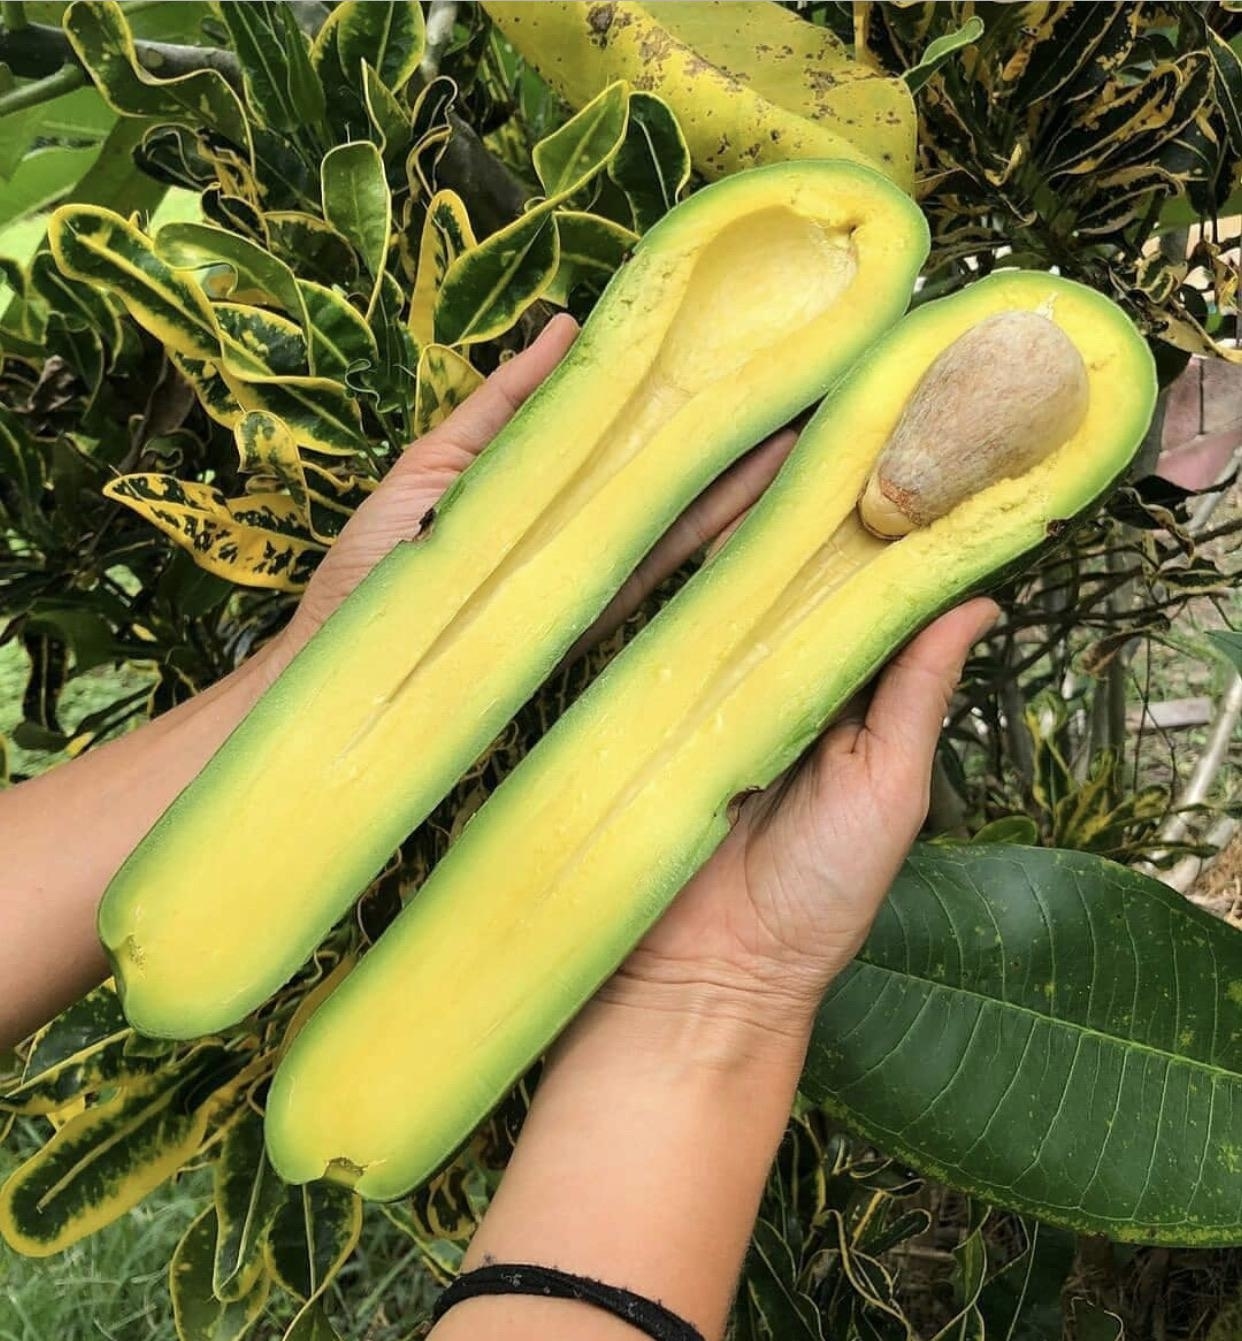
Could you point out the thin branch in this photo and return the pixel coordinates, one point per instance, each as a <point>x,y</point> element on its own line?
<point>65,80</point>
<point>38,49</point>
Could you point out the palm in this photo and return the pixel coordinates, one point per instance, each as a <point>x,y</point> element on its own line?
<point>789,895</point>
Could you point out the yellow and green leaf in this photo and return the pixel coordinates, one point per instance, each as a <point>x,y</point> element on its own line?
<point>445,379</point>
<point>446,236</point>
<point>313,1232</point>
<point>488,288</point>
<point>197,1313</point>
<point>255,541</point>
<point>246,1194</point>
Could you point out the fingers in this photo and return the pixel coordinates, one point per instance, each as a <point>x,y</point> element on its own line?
<point>716,512</point>
<point>913,694</point>
<point>450,447</point>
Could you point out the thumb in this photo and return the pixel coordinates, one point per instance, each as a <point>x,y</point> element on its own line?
<point>913,694</point>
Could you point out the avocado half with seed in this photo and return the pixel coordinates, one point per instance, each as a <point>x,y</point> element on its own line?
<point>735,312</point>
<point>584,845</point>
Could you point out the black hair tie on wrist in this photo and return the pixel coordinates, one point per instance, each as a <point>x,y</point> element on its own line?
<point>643,1314</point>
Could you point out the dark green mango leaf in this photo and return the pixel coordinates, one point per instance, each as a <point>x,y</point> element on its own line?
<point>103,1162</point>
<point>653,163</point>
<point>489,287</point>
<point>311,1324</point>
<point>389,35</point>
<point>99,247</point>
<point>568,158</point>
<point>197,1313</point>
<point>941,50</point>
<point>280,84</point>
<point>592,249</point>
<point>312,1234</point>
<point>357,203</point>
<point>102,38</point>
<point>246,1196</point>
<point>1051,1032</point>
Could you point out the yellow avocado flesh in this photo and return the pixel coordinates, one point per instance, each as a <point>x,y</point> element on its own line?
<point>578,852</point>
<point>737,311</point>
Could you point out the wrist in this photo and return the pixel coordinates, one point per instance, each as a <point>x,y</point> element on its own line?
<point>677,1024</point>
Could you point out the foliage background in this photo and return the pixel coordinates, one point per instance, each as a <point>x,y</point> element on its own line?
<point>148,545</point>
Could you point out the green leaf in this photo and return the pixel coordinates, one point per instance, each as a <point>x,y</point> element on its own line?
<point>313,1232</point>
<point>101,36</point>
<point>82,1048</point>
<point>446,235</point>
<point>389,120</point>
<point>99,247</point>
<point>1019,829</point>
<point>940,50</point>
<point>568,158</point>
<point>339,335</point>
<point>489,287</point>
<point>321,253</point>
<point>1230,645</point>
<point>197,1313</point>
<point>445,379</point>
<point>653,164</point>
<point>311,1324</point>
<point>357,203</point>
<point>79,117</point>
<point>104,1161</point>
<point>1022,1301</point>
<point>389,35</point>
<point>592,249</point>
<point>280,84</point>
<point>254,339</point>
<point>1227,84</point>
<point>257,540</point>
<point>771,1280</point>
<point>1050,1032</point>
<point>246,1196</point>
<point>250,273</point>
<point>41,178</point>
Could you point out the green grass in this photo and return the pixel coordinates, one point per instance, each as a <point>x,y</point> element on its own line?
<point>113,1286</point>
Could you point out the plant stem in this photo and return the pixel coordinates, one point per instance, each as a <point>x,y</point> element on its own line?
<point>65,80</point>
<point>13,15</point>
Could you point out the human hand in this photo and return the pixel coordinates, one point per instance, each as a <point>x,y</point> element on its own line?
<point>416,482</point>
<point>788,897</point>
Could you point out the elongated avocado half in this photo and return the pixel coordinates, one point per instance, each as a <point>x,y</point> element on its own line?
<point>583,846</point>
<point>738,310</point>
